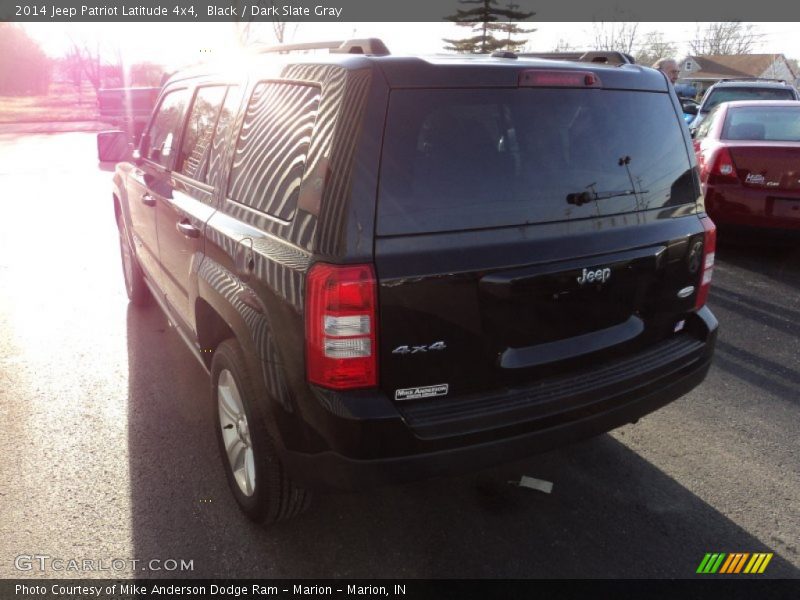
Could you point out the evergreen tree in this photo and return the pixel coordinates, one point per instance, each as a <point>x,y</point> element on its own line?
<point>485,20</point>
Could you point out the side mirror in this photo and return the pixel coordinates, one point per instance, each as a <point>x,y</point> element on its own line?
<point>690,109</point>
<point>113,146</point>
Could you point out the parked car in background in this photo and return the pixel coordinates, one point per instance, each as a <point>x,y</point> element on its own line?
<point>400,267</point>
<point>685,90</point>
<point>742,89</point>
<point>749,159</point>
<point>127,108</point>
<point>689,107</point>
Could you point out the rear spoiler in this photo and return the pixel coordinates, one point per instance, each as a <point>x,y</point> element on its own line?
<point>368,46</point>
<point>605,57</point>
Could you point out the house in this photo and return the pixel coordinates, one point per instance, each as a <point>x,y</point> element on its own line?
<point>704,71</point>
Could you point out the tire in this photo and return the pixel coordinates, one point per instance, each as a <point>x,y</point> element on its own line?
<point>135,286</point>
<point>257,479</point>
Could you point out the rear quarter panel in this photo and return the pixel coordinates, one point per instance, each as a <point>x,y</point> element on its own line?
<point>265,307</point>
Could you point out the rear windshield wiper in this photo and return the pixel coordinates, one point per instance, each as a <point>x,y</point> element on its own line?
<point>585,197</point>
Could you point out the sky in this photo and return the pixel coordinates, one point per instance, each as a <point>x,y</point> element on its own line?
<point>176,44</point>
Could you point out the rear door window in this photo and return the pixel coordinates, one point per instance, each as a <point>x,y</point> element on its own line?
<point>195,149</point>
<point>476,158</point>
<point>270,157</point>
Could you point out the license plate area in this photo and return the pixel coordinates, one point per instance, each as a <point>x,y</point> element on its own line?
<point>786,208</point>
<point>543,304</point>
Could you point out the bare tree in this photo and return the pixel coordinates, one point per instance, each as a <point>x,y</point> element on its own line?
<point>615,36</point>
<point>794,65</point>
<point>654,47</point>
<point>252,32</point>
<point>564,46</point>
<point>729,37</point>
<point>87,55</point>
<point>145,74</point>
<point>280,30</point>
<point>74,70</point>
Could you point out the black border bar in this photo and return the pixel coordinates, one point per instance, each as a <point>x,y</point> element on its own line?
<point>388,10</point>
<point>262,589</point>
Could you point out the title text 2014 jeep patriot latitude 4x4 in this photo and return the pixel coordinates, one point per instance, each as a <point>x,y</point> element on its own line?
<point>399,267</point>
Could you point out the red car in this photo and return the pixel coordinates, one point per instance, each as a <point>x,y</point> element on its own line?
<point>749,158</point>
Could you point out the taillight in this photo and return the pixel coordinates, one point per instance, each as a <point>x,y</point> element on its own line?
<point>720,168</point>
<point>707,266</point>
<point>341,319</point>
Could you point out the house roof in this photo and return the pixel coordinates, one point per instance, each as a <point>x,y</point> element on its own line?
<point>720,66</point>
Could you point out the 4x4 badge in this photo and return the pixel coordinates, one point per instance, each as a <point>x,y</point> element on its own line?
<point>418,349</point>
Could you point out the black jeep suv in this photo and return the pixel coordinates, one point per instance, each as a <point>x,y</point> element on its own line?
<point>394,268</point>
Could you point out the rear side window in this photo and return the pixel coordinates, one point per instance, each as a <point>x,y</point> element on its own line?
<point>165,129</point>
<point>270,155</point>
<point>475,158</point>
<point>195,150</point>
<point>705,126</point>
<point>772,123</point>
<point>730,94</point>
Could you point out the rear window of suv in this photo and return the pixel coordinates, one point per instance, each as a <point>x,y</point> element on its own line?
<point>458,159</point>
<point>730,94</point>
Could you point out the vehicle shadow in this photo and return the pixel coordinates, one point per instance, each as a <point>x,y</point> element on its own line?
<point>779,317</point>
<point>777,261</point>
<point>760,322</point>
<point>611,513</point>
<point>758,370</point>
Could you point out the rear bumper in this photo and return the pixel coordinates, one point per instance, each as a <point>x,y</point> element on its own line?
<point>735,206</point>
<point>329,470</point>
<point>440,451</point>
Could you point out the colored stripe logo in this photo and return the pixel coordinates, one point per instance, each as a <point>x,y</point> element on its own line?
<point>734,563</point>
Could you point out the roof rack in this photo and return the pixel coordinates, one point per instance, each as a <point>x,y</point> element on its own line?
<point>505,54</point>
<point>369,46</point>
<point>607,57</point>
<point>753,79</point>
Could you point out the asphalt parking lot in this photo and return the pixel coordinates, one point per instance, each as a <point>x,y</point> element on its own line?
<point>108,448</point>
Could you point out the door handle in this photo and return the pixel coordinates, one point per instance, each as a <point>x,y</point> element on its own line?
<point>148,200</point>
<point>187,229</point>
